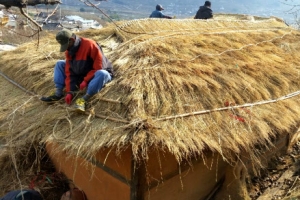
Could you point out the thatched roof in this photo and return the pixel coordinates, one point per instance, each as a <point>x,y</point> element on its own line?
<point>176,82</point>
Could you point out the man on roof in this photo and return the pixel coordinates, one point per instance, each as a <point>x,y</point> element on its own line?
<point>158,13</point>
<point>85,67</point>
<point>204,11</point>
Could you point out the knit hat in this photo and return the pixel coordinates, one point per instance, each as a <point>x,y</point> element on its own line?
<point>62,38</point>
<point>159,7</point>
<point>207,3</point>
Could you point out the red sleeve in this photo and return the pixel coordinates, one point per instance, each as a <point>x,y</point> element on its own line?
<point>96,55</point>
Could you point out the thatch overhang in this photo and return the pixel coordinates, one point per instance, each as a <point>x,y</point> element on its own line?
<point>181,85</point>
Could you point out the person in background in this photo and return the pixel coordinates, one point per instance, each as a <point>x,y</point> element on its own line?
<point>22,195</point>
<point>204,11</point>
<point>158,14</point>
<point>85,67</point>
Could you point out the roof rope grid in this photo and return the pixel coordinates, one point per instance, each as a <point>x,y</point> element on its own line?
<point>214,33</point>
<point>288,96</point>
<point>137,21</point>
<point>196,28</point>
<point>245,46</point>
<point>210,54</point>
<point>87,113</point>
<point>127,23</point>
<point>18,85</point>
<point>206,31</point>
<point>173,35</point>
<point>139,123</point>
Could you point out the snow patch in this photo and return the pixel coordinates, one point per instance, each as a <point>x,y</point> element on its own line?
<point>6,47</point>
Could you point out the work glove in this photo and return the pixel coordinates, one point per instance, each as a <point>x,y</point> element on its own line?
<point>68,98</point>
<point>83,85</point>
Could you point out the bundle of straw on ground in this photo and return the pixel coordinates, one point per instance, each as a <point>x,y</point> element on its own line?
<point>31,168</point>
<point>185,86</point>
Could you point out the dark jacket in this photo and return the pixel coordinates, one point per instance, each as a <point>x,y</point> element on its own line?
<point>82,61</point>
<point>204,13</point>
<point>158,14</point>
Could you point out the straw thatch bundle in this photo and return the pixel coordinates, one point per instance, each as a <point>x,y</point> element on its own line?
<point>184,86</point>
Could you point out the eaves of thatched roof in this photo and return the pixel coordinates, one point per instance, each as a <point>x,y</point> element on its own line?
<point>182,85</point>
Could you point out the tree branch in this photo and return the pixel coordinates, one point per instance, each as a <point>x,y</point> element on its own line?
<point>24,3</point>
<point>30,19</point>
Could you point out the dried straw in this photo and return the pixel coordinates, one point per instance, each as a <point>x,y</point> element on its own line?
<point>170,69</point>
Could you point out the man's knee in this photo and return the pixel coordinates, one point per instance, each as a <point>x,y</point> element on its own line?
<point>102,74</point>
<point>60,64</point>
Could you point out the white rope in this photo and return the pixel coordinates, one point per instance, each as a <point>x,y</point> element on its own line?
<point>208,54</point>
<point>173,35</point>
<point>245,46</point>
<point>237,24</point>
<point>16,84</point>
<point>230,107</point>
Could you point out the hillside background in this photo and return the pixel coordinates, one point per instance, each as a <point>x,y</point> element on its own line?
<point>188,8</point>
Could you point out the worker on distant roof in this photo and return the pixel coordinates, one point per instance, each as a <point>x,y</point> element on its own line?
<point>158,14</point>
<point>85,66</point>
<point>204,11</point>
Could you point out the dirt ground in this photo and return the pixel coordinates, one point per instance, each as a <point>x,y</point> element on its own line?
<point>281,178</point>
